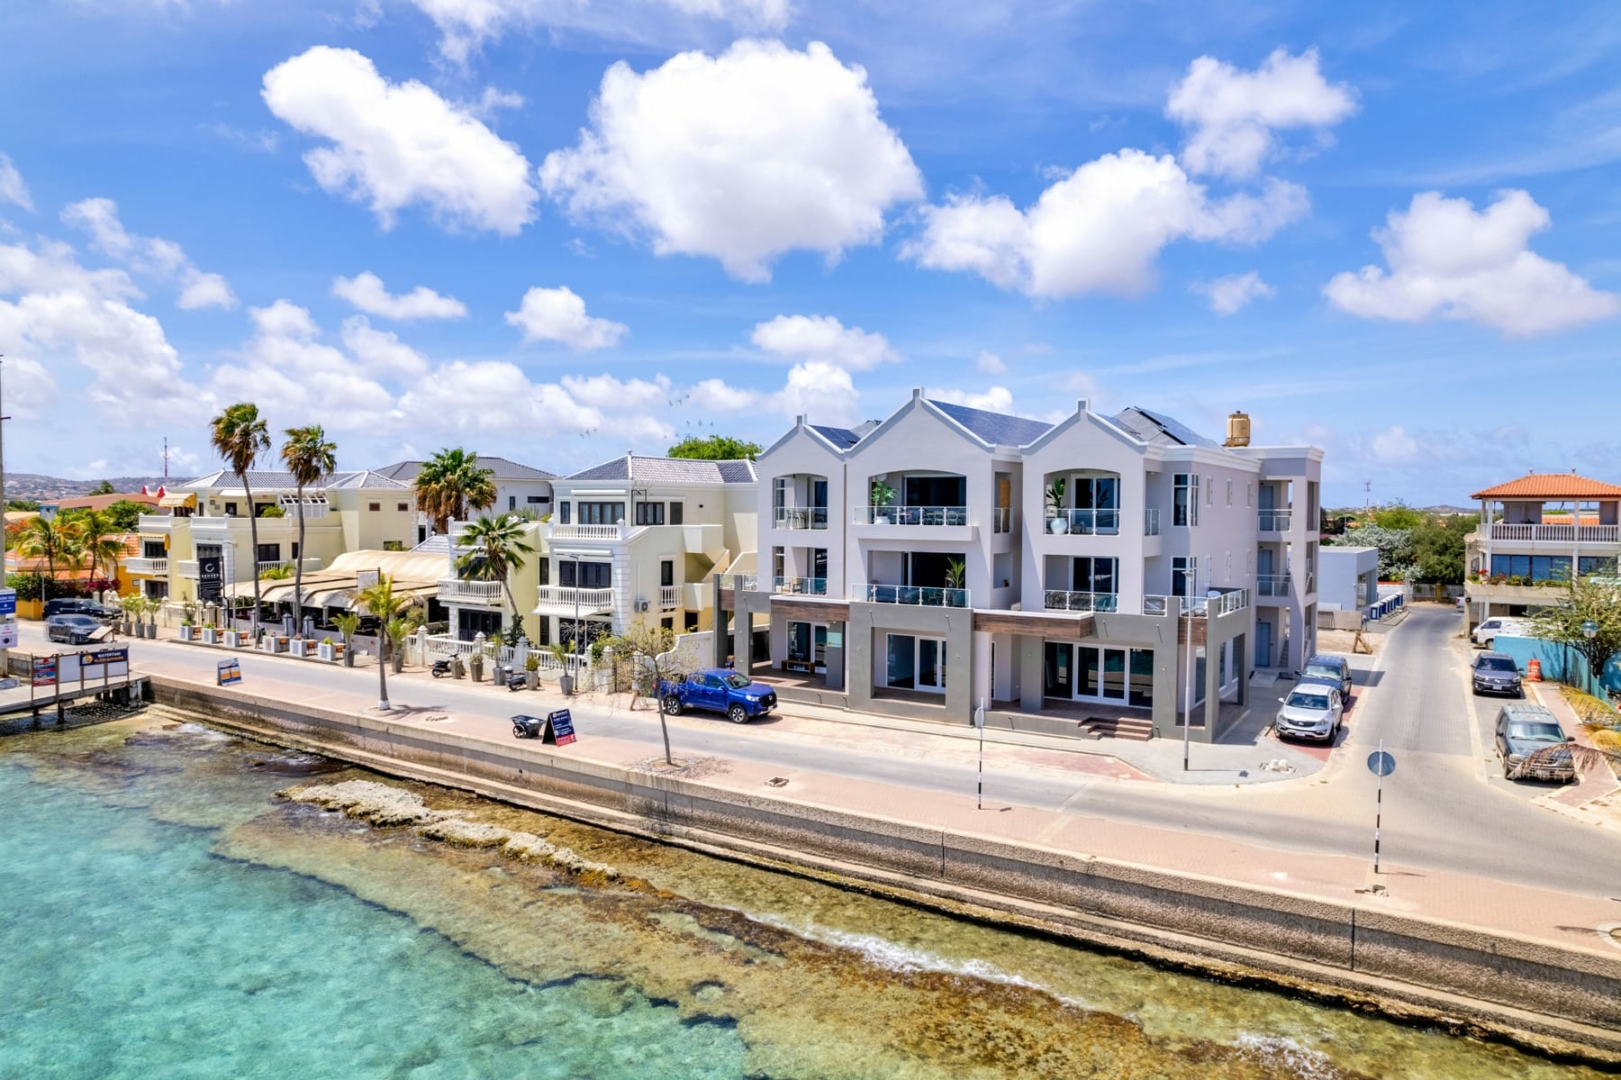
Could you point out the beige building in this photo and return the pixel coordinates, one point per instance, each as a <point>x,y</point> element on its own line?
<point>1535,533</point>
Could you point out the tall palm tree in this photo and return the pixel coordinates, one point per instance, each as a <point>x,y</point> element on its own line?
<point>100,540</point>
<point>54,540</point>
<point>239,437</point>
<point>310,458</point>
<point>451,482</point>
<point>380,600</point>
<point>495,548</point>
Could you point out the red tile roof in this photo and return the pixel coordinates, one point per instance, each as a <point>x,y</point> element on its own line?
<point>1551,486</point>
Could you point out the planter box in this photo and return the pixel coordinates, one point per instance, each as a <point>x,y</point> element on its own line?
<point>299,647</point>
<point>187,633</point>
<point>328,651</point>
<point>211,636</point>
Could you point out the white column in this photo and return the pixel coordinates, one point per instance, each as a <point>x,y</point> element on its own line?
<point>983,677</point>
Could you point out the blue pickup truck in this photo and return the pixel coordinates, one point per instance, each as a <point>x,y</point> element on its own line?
<point>719,690</point>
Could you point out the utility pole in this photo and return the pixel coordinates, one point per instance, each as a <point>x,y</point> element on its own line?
<point>1367,495</point>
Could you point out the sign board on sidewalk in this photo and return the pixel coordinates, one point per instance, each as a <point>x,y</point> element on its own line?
<point>1381,763</point>
<point>8,632</point>
<point>8,601</point>
<point>44,670</point>
<point>230,673</point>
<point>559,728</point>
<point>94,657</point>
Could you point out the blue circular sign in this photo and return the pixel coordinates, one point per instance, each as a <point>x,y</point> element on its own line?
<point>1381,763</point>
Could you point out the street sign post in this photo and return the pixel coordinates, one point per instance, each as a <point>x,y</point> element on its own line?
<point>979,722</point>
<point>1381,765</point>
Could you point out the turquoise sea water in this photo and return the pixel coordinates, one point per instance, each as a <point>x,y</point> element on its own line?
<point>128,950</point>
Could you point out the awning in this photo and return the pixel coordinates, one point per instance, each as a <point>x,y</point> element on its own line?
<point>188,499</point>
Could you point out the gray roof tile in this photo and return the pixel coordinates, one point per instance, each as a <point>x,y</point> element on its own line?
<point>670,471</point>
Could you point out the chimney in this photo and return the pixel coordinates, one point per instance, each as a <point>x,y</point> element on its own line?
<point>1238,429</point>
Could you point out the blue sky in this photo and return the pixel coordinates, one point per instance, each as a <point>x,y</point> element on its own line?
<point>558,229</point>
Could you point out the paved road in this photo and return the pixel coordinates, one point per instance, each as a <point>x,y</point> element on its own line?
<point>1439,811</point>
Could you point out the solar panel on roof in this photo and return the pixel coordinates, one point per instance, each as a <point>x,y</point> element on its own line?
<point>1176,429</point>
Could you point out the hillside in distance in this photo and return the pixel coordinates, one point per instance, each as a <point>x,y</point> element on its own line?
<point>37,487</point>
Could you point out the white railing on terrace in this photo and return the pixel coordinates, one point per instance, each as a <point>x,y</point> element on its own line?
<point>481,592</point>
<point>1060,600</point>
<point>153,522</point>
<point>909,515</point>
<point>142,565</point>
<point>803,586</point>
<point>585,532</point>
<point>921,595</point>
<point>1151,521</point>
<point>1557,534</point>
<point>565,596</point>
<point>1201,606</point>
<point>801,517</point>
<point>1104,522</point>
<point>312,563</point>
<point>1272,585</point>
<point>739,582</point>
<point>1274,520</point>
<point>669,596</point>
<point>447,645</point>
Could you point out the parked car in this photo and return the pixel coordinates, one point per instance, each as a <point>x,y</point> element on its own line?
<point>78,606</point>
<point>1495,673</point>
<point>719,690</point>
<point>1523,730</point>
<point>74,629</point>
<point>1313,710</point>
<point>1489,630</point>
<point>1335,670</point>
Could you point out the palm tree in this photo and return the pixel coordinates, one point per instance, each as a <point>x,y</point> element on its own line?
<point>496,547</point>
<point>101,544</point>
<point>450,483</point>
<point>239,437</point>
<point>309,457</point>
<point>53,540</point>
<point>385,606</point>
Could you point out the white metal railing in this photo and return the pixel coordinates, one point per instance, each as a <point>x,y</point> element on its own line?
<point>143,565</point>
<point>311,563</point>
<point>564,596</point>
<point>923,595</point>
<point>1061,600</point>
<point>1207,606</point>
<point>1557,534</point>
<point>585,532</point>
<point>909,515</point>
<point>1272,585</point>
<point>1274,520</point>
<point>1151,521</point>
<point>800,517</point>
<point>669,596</point>
<point>804,586</point>
<point>186,568</point>
<point>481,592</point>
<point>1104,522</point>
<point>739,582</point>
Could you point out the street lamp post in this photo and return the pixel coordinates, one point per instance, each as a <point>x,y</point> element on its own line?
<point>1590,631</point>
<point>1187,696</point>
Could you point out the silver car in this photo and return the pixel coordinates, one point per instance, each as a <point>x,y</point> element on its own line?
<point>1526,731</point>
<point>74,629</point>
<point>1312,711</point>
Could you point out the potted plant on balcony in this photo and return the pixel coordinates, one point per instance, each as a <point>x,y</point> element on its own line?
<point>882,496</point>
<point>1057,523</point>
<point>956,572</point>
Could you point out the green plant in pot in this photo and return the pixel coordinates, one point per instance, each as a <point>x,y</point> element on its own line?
<point>1057,523</point>
<point>956,573</point>
<point>882,497</point>
<point>531,668</point>
<point>475,664</point>
<point>559,653</point>
<point>347,623</point>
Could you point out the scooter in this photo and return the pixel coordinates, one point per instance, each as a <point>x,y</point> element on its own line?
<point>518,680</point>
<point>441,668</point>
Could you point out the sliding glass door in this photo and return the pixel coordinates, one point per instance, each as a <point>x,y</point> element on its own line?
<point>1099,673</point>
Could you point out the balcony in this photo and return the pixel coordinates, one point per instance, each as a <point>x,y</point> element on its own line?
<point>739,582</point>
<point>1274,521</point>
<point>586,532</point>
<point>457,591</point>
<point>552,599</point>
<point>135,565</point>
<point>800,517</point>
<point>917,595</point>
<point>1105,522</point>
<point>801,586</point>
<point>1272,585</point>
<point>931,516</point>
<point>1555,534</point>
<point>669,597</point>
<point>1197,606</point>
<point>154,523</point>
<point>186,568</point>
<point>289,565</point>
<point>1060,600</point>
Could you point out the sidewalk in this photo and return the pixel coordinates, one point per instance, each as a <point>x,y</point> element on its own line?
<point>1543,914</point>
<point>1597,797</point>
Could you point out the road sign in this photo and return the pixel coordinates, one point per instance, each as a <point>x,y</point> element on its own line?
<point>230,673</point>
<point>1381,764</point>
<point>8,601</point>
<point>559,728</point>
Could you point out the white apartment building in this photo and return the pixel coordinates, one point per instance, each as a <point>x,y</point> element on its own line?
<point>518,488</point>
<point>950,556</point>
<point>638,538</point>
<point>1535,533</point>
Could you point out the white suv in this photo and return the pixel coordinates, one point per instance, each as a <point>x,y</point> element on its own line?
<point>1488,631</point>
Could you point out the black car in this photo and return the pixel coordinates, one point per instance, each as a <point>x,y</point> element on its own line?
<point>1495,673</point>
<point>78,606</point>
<point>1334,670</point>
<point>74,629</point>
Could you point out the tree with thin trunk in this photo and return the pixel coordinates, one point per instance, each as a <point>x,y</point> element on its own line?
<point>239,436</point>
<point>1587,600</point>
<point>648,648</point>
<point>54,540</point>
<point>450,483</point>
<point>384,605</point>
<point>493,549</point>
<point>310,458</point>
<point>100,542</point>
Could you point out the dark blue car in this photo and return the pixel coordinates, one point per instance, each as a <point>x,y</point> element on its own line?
<point>720,690</point>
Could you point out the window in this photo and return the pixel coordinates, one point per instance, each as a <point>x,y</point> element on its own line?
<point>230,509</point>
<point>1096,575</point>
<point>535,500</point>
<point>512,502</point>
<point>404,508</point>
<point>154,549</point>
<point>667,623</point>
<point>666,573</point>
<point>1182,576</point>
<point>1597,564</point>
<point>543,629</point>
<point>601,513</point>
<point>585,575</point>
<point>1185,502</point>
<point>374,507</point>
<point>650,513</point>
<point>544,569</point>
<point>1532,567</point>
<point>563,510</point>
<point>689,621</point>
<point>295,549</point>
<point>269,553</point>
<point>1210,491</point>
<point>779,496</point>
<point>1229,493</point>
<point>778,563</point>
<point>676,512</point>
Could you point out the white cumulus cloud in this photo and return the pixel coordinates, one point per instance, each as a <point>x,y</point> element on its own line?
<point>288,371</point>
<point>740,157</point>
<point>990,364</point>
<point>1233,115</point>
<point>995,399</point>
<point>1230,294</point>
<point>1100,229</point>
<point>150,255</point>
<point>12,188</point>
<point>559,315</point>
<point>381,352</point>
<point>394,145</point>
<point>822,337</point>
<point>367,292</point>
<point>820,390</point>
<point>1447,259</point>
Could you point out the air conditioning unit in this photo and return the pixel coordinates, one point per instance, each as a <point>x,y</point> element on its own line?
<point>641,605</point>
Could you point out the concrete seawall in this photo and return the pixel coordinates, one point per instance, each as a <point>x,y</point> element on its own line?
<point>1555,999</point>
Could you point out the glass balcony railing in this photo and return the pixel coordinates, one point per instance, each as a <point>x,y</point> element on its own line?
<point>800,517</point>
<point>1197,606</point>
<point>1275,520</point>
<point>1151,521</point>
<point>1061,600</point>
<point>801,586</point>
<point>1272,585</point>
<point>1105,522</point>
<point>910,515</point>
<point>739,582</point>
<point>922,595</point>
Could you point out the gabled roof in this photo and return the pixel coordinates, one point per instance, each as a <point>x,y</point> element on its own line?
<point>267,480</point>
<point>1159,429</point>
<point>843,438</point>
<point>503,468</point>
<point>997,429</point>
<point>366,479</point>
<point>659,470</point>
<point>1541,486</point>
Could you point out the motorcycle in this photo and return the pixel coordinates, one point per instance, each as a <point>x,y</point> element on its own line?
<point>517,680</point>
<point>441,668</point>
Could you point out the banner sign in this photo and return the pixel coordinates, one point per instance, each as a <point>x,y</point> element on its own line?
<point>8,601</point>
<point>365,579</point>
<point>44,670</point>
<point>230,673</point>
<point>559,728</point>
<point>105,656</point>
<point>210,572</point>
